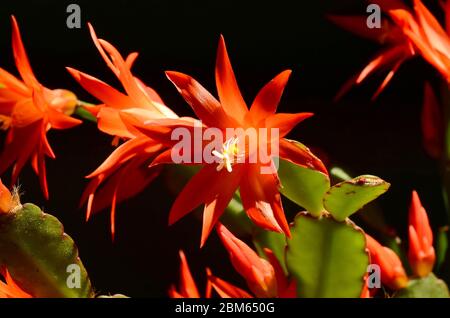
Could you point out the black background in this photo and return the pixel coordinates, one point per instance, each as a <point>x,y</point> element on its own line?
<point>263,38</point>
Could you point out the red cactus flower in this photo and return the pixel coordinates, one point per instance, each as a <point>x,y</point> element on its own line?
<point>28,110</point>
<point>259,192</point>
<point>421,253</point>
<point>128,164</point>
<point>393,274</point>
<point>266,279</point>
<point>398,47</point>
<point>9,288</point>
<point>407,33</point>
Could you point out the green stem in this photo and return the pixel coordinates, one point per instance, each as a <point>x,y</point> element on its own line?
<point>81,111</point>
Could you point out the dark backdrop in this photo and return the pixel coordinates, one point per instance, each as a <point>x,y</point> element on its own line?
<point>263,38</point>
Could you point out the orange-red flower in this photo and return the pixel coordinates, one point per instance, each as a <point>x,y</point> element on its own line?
<point>393,274</point>
<point>421,253</point>
<point>407,33</point>
<point>265,278</point>
<point>125,172</point>
<point>9,288</point>
<point>28,110</point>
<point>214,185</point>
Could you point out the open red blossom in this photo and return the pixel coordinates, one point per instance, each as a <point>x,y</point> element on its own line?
<point>125,172</point>
<point>393,274</point>
<point>407,33</point>
<point>10,289</point>
<point>421,253</point>
<point>28,110</point>
<point>215,184</point>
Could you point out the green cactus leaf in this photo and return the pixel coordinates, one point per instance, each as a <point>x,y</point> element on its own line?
<point>303,186</point>
<point>327,258</point>
<point>347,197</point>
<point>426,287</point>
<point>40,257</point>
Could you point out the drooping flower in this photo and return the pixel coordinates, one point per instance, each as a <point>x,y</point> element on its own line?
<point>10,289</point>
<point>407,33</point>
<point>421,254</point>
<point>265,278</point>
<point>125,172</point>
<point>393,274</point>
<point>28,110</point>
<point>219,179</point>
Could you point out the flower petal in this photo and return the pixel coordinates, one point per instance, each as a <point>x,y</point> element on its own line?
<point>268,98</point>
<point>261,199</point>
<point>229,93</point>
<point>285,122</point>
<point>215,204</point>
<point>300,155</point>
<point>225,289</point>
<point>20,56</point>
<point>100,90</point>
<point>205,106</point>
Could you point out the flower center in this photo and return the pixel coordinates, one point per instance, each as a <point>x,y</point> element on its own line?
<point>229,154</point>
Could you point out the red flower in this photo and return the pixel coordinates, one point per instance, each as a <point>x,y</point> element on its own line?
<point>393,274</point>
<point>9,288</point>
<point>125,172</point>
<point>214,185</point>
<point>266,279</point>
<point>406,34</point>
<point>421,253</point>
<point>28,111</point>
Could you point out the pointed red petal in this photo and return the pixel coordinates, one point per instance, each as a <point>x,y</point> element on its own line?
<point>285,122</point>
<point>100,90</point>
<point>229,93</point>
<point>187,283</point>
<point>20,56</point>
<point>227,290</point>
<point>262,201</point>
<point>205,106</point>
<point>215,205</point>
<point>268,98</point>
<point>194,193</point>
<point>299,154</point>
